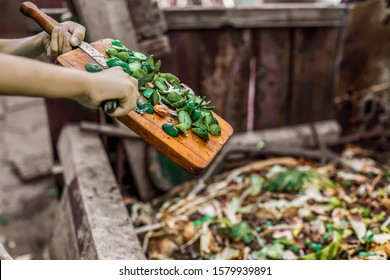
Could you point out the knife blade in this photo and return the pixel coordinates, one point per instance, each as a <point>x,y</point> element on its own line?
<point>47,24</point>
<point>94,54</point>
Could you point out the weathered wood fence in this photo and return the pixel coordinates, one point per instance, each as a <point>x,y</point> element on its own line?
<point>294,49</point>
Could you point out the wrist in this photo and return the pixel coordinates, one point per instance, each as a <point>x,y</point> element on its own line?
<point>85,84</point>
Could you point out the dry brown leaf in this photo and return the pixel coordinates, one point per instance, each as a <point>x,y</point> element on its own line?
<point>161,111</point>
<point>189,231</point>
<point>290,212</point>
<point>357,224</point>
<point>383,248</point>
<point>356,150</point>
<point>163,246</point>
<point>385,203</point>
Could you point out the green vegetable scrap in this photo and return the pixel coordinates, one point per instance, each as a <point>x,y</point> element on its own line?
<point>93,68</point>
<point>163,89</point>
<point>144,106</point>
<point>3,220</point>
<point>328,253</point>
<point>295,180</point>
<point>239,232</point>
<point>269,252</point>
<point>170,129</point>
<point>53,192</point>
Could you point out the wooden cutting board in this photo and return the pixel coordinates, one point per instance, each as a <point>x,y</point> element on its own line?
<point>190,152</point>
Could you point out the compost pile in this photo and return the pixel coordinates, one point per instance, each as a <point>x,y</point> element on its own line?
<point>280,208</point>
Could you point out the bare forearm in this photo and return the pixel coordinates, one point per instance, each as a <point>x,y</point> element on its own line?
<point>30,47</point>
<point>20,76</point>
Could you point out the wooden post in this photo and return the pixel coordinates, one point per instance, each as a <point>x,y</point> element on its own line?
<point>150,26</point>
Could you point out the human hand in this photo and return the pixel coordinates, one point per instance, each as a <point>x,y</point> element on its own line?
<point>63,37</point>
<point>110,84</point>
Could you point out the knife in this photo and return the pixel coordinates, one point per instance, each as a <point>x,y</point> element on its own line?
<point>47,24</point>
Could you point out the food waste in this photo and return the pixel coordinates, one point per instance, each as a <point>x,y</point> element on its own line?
<point>163,94</point>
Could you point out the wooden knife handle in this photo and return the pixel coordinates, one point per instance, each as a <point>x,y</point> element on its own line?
<point>32,11</point>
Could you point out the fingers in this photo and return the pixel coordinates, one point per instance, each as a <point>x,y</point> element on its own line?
<point>54,42</point>
<point>126,105</point>
<point>63,37</point>
<point>129,101</point>
<point>46,43</point>
<point>59,41</point>
<point>63,29</point>
<point>134,81</point>
<point>67,46</point>
<point>112,84</point>
<point>120,112</point>
<point>78,33</point>
<point>116,70</point>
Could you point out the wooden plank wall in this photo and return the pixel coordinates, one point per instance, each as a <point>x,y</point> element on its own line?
<point>314,53</point>
<point>214,63</point>
<point>295,71</point>
<point>272,48</point>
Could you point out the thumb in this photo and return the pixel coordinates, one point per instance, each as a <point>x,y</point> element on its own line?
<point>78,33</point>
<point>119,112</point>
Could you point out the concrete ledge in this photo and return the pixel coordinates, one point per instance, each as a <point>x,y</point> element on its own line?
<point>92,221</point>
